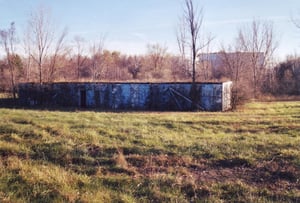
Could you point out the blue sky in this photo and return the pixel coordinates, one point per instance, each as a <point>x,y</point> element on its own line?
<point>129,25</point>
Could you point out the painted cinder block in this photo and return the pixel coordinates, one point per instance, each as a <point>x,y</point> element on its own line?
<point>129,96</point>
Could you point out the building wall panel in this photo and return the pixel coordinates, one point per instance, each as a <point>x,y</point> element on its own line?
<point>129,96</point>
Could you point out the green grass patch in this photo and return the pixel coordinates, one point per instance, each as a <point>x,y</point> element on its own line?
<point>250,155</point>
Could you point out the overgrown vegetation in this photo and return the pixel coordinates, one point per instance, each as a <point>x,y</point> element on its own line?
<point>251,155</point>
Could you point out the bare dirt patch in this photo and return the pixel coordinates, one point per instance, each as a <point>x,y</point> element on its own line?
<point>274,175</point>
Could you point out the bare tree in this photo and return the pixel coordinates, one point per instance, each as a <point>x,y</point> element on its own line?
<point>96,51</point>
<point>113,67</point>
<point>8,41</point>
<point>189,35</point>
<point>258,40</point>
<point>191,39</point>
<point>157,54</point>
<point>192,19</point>
<point>233,66</point>
<point>287,77</point>
<point>134,66</point>
<point>41,39</point>
<point>181,36</point>
<point>28,59</point>
<point>296,21</point>
<point>59,50</point>
<point>40,36</point>
<point>79,55</point>
<point>205,63</point>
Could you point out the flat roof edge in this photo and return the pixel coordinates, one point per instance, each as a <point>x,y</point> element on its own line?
<point>50,83</point>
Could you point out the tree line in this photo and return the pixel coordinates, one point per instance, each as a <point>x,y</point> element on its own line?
<point>248,61</point>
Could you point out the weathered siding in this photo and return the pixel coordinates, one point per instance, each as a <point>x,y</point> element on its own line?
<point>211,96</point>
<point>226,96</point>
<point>129,96</point>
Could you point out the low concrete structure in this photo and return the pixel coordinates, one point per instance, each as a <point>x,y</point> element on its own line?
<point>129,96</point>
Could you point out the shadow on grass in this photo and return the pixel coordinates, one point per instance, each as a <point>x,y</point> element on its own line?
<point>14,183</point>
<point>11,103</point>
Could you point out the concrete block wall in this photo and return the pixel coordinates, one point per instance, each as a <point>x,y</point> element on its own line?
<point>128,96</point>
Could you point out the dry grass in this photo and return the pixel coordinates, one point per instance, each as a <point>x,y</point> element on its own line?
<point>251,155</point>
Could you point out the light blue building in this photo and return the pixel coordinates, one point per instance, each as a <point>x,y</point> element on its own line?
<point>129,96</point>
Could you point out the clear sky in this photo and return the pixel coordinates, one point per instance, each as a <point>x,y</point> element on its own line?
<point>129,25</point>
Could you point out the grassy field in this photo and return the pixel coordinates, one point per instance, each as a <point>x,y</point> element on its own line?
<point>250,155</point>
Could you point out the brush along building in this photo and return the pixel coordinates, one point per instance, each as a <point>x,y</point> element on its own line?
<point>129,96</point>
